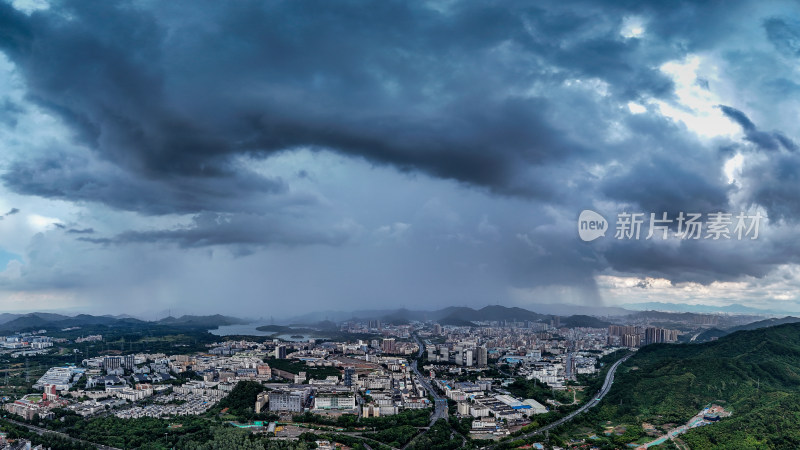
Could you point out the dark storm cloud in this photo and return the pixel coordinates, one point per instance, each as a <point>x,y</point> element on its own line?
<point>739,117</point>
<point>764,140</point>
<point>11,212</point>
<point>103,241</point>
<point>700,261</point>
<point>209,229</point>
<point>174,91</point>
<point>80,231</point>
<point>784,35</point>
<point>74,177</point>
<point>662,184</point>
<point>9,111</point>
<point>539,258</point>
<point>770,182</point>
<point>169,100</point>
<point>773,183</point>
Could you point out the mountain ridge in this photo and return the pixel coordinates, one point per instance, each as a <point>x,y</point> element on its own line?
<point>37,321</point>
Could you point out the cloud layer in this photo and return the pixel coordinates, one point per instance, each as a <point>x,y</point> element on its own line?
<point>184,129</point>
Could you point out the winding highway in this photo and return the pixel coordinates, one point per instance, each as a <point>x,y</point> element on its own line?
<point>595,400</point>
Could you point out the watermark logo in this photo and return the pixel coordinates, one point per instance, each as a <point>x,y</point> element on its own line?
<point>591,225</point>
<point>684,226</point>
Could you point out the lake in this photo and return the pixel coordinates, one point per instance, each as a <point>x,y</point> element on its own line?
<point>249,329</point>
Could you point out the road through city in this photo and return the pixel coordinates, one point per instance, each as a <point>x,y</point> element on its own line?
<point>440,403</point>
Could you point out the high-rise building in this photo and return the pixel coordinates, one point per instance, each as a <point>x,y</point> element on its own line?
<point>672,336</point>
<point>128,362</point>
<point>569,367</point>
<point>632,340</point>
<point>437,329</point>
<point>280,352</point>
<point>658,335</point>
<point>622,330</point>
<point>483,356</point>
<point>112,363</point>
<point>432,353</point>
<point>349,375</point>
<point>468,359</point>
<point>651,336</point>
<point>388,345</point>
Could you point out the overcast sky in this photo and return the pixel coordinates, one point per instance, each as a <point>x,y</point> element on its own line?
<point>273,158</point>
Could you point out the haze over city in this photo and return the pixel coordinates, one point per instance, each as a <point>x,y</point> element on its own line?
<point>249,159</point>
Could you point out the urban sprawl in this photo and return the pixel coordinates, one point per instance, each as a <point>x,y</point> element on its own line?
<point>415,366</point>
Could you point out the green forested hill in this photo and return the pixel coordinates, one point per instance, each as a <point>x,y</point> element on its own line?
<point>754,373</point>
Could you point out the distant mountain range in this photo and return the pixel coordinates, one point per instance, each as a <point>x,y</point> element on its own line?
<point>568,309</point>
<point>13,323</point>
<point>534,311</point>
<point>461,314</point>
<point>703,309</point>
<point>583,321</point>
<point>453,315</point>
<point>201,321</point>
<point>717,333</point>
<point>456,316</point>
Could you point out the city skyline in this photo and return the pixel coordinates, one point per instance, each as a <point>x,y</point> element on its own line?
<point>267,158</point>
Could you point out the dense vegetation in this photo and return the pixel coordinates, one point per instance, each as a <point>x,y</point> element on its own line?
<point>439,437</point>
<point>50,440</point>
<point>395,436</point>
<point>240,403</point>
<point>756,374</point>
<point>769,421</point>
<point>142,432</point>
<point>462,425</point>
<point>236,439</point>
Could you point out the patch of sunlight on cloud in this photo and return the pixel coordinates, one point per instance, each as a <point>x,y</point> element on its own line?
<point>633,27</point>
<point>695,106</point>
